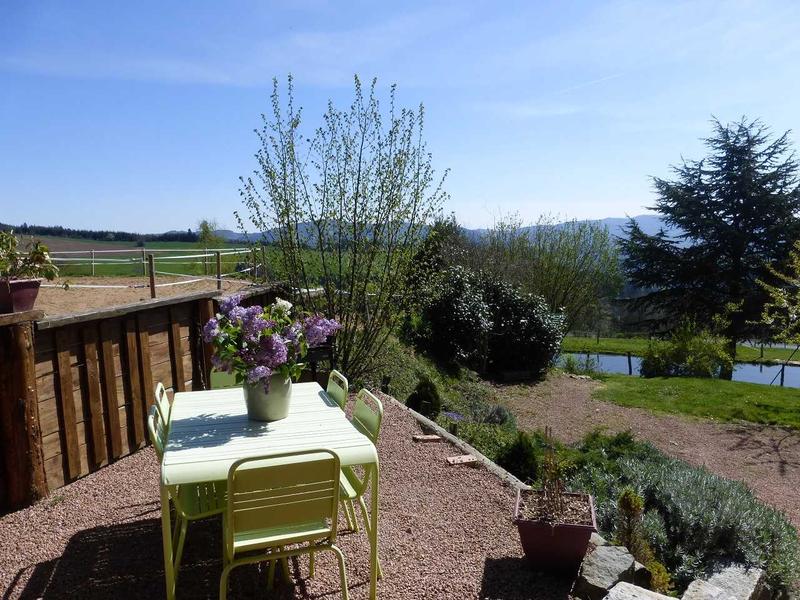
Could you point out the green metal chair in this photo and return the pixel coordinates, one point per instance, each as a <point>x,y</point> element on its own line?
<point>367,418</point>
<point>338,388</point>
<point>162,403</point>
<point>191,502</point>
<point>280,500</point>
<point>221,380</point>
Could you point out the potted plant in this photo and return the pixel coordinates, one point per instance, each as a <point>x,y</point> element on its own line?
<point>263,347</point>
<point>554,525</point>
<point>21,273</point>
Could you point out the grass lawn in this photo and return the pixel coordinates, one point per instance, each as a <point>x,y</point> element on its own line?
<point>706,398</point>
<point>637,347</point>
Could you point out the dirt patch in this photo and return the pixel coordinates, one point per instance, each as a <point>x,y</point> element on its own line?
<point>60,301</point>
<point>445,532</point>
<point>765,458</point>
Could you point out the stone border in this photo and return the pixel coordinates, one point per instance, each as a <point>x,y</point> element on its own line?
<point>463,446</point>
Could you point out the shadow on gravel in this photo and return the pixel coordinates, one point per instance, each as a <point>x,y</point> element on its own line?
<point>768,445</point>
<point>125,561</point>
<point>513,579</point>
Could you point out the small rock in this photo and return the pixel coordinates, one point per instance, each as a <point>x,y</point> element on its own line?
<point>598,540</point>
<point>601,569</point>
<point>628,591</point>
<point>641,575</point>
<point>703,590</point>
<point>739,582</point>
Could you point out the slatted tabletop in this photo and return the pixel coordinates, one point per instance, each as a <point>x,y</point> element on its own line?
<point>209,431</point>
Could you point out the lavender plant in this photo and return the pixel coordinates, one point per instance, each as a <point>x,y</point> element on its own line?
<point>255,342</point>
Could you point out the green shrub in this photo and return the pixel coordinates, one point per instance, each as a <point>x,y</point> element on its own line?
<point>579,365</point>
<point>520,458</point>
<point>486,324</point>
<point>693,519</point>
<point>489,440</point>
<point>688,353</point>
<point>500,415</point>
<point>425,399</point>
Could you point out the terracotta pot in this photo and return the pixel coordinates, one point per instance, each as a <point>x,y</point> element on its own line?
<point>18,295</point>
<point>559,547</point>
<point>272,405</point>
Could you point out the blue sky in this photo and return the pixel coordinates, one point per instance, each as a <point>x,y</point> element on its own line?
<point>140,115</point>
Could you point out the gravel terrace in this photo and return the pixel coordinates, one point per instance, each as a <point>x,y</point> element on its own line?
<point>764,457</point>
<point>445,532</point>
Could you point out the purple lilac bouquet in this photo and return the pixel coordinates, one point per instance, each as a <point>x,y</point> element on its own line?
<point>256,342</point>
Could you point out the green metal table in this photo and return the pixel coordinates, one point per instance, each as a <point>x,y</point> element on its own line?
<point>209,430</point>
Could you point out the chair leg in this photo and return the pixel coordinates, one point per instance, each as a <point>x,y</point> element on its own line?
<point>223,582</point>
<point>342,571</point>
<point>347,516</point>
<point>181,542</point>
<point>353,512</point>
<point>271,574</point>
<point>367,528</point>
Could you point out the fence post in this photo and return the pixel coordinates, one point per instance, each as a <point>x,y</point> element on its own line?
<point>23,475</point>
<point>630,364</point>
<point>783,372</point>
<point>144,264</point>
<point>205,261</point>
<point>255,265</point>
<point>219,270</point>
<point>92,263</point>
<point>152,268</point>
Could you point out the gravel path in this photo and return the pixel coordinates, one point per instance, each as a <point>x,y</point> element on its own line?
<point>766,458</point>
<point>446,532</point>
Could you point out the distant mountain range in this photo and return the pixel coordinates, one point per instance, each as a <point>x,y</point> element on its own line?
<point>650,224</point>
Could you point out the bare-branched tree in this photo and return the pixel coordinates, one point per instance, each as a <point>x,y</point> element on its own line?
<point>348,205</point>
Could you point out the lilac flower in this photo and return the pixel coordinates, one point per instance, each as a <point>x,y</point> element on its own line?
<point>258,373</point>
<point>272,351</point>
<point>237,314</point>
<point>318,329</point>
<point>221,365</point>
<point>210,330</point>
<point>291,333</point>
<point>229,303</point>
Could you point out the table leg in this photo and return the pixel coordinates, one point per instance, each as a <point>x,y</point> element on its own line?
<point>373,534</point>
<point>166,536</point>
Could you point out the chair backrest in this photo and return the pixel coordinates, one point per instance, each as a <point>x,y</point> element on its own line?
<point>157,431</point>
<point>368,415</point>
<point>162,403</point>
<point>221,380</point>
<point>338,388</point>
<point>289,490</point>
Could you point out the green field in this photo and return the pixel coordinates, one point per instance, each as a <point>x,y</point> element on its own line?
<point>637,347</point>
<point>705,398</point>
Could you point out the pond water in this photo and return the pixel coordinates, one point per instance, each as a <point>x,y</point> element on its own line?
<point>749,372</point>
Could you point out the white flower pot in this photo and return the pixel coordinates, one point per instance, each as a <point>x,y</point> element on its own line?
<point>268,406</point>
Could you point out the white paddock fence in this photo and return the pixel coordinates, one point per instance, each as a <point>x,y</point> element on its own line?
<point>193,267</point>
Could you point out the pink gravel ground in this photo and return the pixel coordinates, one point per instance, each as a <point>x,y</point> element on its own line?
<point>445,532</point>
<point>765,458</point>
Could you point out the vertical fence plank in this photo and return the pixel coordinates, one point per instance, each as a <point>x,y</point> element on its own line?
<point>69,428</point>
<point>94,394</point>
<point>176,353</point>
<point>110,387</point>
<point>137,411</point>
<point>146,371</point>
<point>206,312</point>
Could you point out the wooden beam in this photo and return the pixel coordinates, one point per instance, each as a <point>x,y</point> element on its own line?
<point>206,312</point>
<point>148,392</point>
<point>69,428</point>
<point>95,422</point>
<point>23,476</point>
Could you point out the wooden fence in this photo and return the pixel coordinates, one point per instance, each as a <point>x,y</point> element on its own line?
<point>75,390</point>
